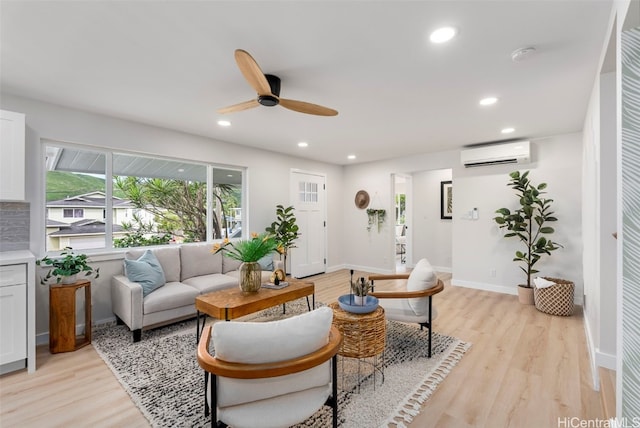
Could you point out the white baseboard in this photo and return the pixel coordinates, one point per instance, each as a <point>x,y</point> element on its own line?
<point>595,378</point>
<point>608,361</point>
<point>443,269</point>
<point>43,338</point>
<point>484,286</point>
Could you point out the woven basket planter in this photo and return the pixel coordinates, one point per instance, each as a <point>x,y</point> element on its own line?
<point>557,299</point>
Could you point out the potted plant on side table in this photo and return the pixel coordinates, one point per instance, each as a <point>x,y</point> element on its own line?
<point>528,223</point>
<point>66,267</point>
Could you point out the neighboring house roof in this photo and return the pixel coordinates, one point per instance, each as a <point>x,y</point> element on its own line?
<point>56,223</point>
<point>89,200</point>
<point>86,227</point>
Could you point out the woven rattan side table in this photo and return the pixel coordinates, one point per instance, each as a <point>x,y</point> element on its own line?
<point>363,336</point>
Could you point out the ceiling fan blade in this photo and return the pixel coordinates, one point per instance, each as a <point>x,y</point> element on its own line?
<point>251,71</point>
<point>303,107</point>
<point>239,107</point>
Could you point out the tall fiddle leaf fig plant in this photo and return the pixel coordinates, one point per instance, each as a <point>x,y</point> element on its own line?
<point>284,230</point>
<point>529,223</point>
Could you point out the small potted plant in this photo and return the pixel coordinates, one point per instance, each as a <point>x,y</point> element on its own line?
<point>360,288</point>
<point>528,223</point>
<point>284,230</point>
<point>66,267</point>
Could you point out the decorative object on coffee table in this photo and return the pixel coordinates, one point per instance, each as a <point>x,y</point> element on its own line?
<point>248,252</point>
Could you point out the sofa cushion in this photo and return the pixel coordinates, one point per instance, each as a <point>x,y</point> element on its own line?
<point>169,258</point>
<point>263,342</point>
<point>266,263</point>
<point>422,277</point>
<point>146,271</point>
<point>212,282</point>
<point>172,295</point>
<point>229,264</point>
<point>197,260</point>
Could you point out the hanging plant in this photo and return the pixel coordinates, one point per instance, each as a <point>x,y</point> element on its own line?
<point>375,217</point>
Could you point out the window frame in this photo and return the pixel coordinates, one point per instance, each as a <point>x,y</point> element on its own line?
<point>109,154</point>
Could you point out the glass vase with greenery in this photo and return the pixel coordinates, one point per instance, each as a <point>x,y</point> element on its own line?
<point>248,251</point>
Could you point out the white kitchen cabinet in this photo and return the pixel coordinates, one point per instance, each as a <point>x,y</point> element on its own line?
<point>12,158</point>
<point>17,311</point>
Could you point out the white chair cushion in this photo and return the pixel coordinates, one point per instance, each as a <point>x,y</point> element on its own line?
<point>399,310</point>
<point>264,342</point>
<point>422,277</point>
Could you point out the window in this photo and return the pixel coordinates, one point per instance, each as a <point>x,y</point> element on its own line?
<point>154,201</point>
<point>73,213</point>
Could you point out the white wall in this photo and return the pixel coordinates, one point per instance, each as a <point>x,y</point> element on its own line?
<point>373,251</point>
<point>268,177</point>
<point>431,234</point>
<point>478,245</point>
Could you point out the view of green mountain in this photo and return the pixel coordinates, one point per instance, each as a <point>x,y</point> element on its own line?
<point>63,184</point>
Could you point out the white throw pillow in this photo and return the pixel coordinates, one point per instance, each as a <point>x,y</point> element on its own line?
<point>263,342</point>
<point>422,277</point>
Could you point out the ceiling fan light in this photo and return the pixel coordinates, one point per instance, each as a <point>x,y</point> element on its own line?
<point>442,35</point>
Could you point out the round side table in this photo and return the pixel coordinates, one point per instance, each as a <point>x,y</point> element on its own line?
<point>363,335</point>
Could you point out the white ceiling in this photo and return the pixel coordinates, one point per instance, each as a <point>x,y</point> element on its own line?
<point>171,64</point>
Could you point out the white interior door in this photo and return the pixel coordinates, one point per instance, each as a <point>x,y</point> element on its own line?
<point>309,200</point>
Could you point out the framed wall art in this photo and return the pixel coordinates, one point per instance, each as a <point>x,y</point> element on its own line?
<point>446,200</point>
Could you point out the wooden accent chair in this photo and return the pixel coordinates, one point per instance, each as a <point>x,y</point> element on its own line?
<point>414,304</point>
<point>271,374</point>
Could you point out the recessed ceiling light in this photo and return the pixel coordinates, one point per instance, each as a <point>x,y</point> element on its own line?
<point>442,35</point>
<point>224,123</point>
<point>507,130</point>
<point>180,169</point>
<point>351,157</point>
<point>303,144</point>
<point>488,101</point>
<point>229,175</point>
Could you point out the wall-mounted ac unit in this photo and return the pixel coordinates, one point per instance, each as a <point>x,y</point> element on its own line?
<point>496,154</point>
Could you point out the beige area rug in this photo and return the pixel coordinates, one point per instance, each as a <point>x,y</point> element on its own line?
<point>162,376</point>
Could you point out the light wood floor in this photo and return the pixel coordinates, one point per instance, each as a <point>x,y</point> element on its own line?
<point>525,369</point>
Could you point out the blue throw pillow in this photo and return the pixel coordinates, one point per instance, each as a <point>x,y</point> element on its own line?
<point>146,271</point>
<point>266,263</point>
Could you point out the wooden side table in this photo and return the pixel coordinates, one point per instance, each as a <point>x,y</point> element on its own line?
<point>62,317</point>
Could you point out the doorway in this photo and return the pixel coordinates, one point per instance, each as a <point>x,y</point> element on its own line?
<point>402,203</point>
<point>309,200</point>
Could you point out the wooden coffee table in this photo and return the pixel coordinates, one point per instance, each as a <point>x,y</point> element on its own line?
<point>232,303</point>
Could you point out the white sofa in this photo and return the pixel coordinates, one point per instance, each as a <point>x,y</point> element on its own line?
<point>189,270</point>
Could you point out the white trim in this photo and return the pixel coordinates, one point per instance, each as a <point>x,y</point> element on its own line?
<point>608,361</point>
<point>484,286</point>
<point>595,377</point>
<point>442,269</point>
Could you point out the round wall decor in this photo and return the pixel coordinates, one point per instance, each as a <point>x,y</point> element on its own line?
<point>362,199</point>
